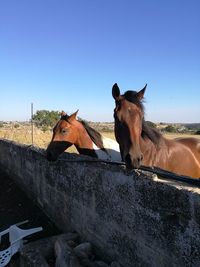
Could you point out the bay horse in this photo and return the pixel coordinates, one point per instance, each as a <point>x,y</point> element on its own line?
<point>141,144</point>
<point>70,131</point>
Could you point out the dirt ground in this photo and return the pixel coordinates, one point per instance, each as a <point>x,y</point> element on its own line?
<point>15,207</point>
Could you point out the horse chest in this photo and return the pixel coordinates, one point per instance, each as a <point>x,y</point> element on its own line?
<point>155,156</point>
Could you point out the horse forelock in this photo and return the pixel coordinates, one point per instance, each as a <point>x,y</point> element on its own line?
<point>131,97</point>
<point>65,117</point>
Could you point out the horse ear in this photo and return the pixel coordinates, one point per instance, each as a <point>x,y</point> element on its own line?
<point>73,116</point>
<point>140,94</point>
<point>115,91</point>
<point>62,113</point>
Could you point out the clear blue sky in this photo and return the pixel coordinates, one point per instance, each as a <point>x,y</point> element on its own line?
<point>67,54</point>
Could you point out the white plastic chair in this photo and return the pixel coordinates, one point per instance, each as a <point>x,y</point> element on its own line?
<point>15,238</point>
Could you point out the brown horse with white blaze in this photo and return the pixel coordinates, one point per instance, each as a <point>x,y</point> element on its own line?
<point>70,131</point>
<point>141,144</point>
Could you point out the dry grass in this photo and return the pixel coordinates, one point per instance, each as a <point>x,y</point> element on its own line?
<point>22,134</point>
<point>177,135</point>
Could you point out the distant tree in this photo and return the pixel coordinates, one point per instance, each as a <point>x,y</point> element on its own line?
<point>1,124</point>
<point>44,128</point>
<point>45,118</point>
<point>16,125</point>
<point>170,129</point>
<point>151,124</point>
<point>197,132</point>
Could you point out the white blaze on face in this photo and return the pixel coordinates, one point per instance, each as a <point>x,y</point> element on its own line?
<point>112,150</point>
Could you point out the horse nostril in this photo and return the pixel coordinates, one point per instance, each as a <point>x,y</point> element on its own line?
<point>128,160</point>
<point>133,163</point>
<point>50,156</point>
<point>139,159</point>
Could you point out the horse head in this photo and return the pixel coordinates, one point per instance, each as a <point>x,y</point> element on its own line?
<point>64,135</point>
<point>128,116</point>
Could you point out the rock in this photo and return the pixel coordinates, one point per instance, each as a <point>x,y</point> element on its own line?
<point>69,237</point>
<point>83,251</point>
<point>100,264</point>
<point>115,264</point>
<point>65,256</point>
<point>35,253</point>
<point>86,262</point>
<point>72,243</point>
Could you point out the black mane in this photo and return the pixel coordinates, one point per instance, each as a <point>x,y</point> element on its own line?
<point>151,133</point>
<point>94,135</point>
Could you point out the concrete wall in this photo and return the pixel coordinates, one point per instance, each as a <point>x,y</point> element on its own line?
<point>135,219</point>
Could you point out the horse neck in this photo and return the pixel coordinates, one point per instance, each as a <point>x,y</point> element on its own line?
<point>152,145</point>
<point>84,143</point>
<point>83,139</point>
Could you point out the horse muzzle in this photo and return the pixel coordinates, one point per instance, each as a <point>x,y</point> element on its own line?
<point>51,156</point>
<point>56,148</point>
<point>133,162</point>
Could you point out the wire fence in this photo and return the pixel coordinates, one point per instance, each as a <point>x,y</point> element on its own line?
<point>22,133</point>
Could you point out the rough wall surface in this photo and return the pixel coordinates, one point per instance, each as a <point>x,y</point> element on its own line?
<point>132,218</point>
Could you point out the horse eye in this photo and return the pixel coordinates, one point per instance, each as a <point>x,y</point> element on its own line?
<point>64,131</point>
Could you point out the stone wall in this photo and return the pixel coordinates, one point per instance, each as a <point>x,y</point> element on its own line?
<point>135,219</point>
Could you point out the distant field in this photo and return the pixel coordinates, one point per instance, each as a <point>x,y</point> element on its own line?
<point>176,135</point>
<point>22,134</point>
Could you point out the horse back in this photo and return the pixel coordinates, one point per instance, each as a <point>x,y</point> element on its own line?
<point>193,144</point>
<point>183,156</point>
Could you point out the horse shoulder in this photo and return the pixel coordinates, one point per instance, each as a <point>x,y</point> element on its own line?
<point>110,143</point>
<point>112,148</point>
<point>154,154</point>
<point>109,151</point>
<point>189,141</point>
<point>185,156</point>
